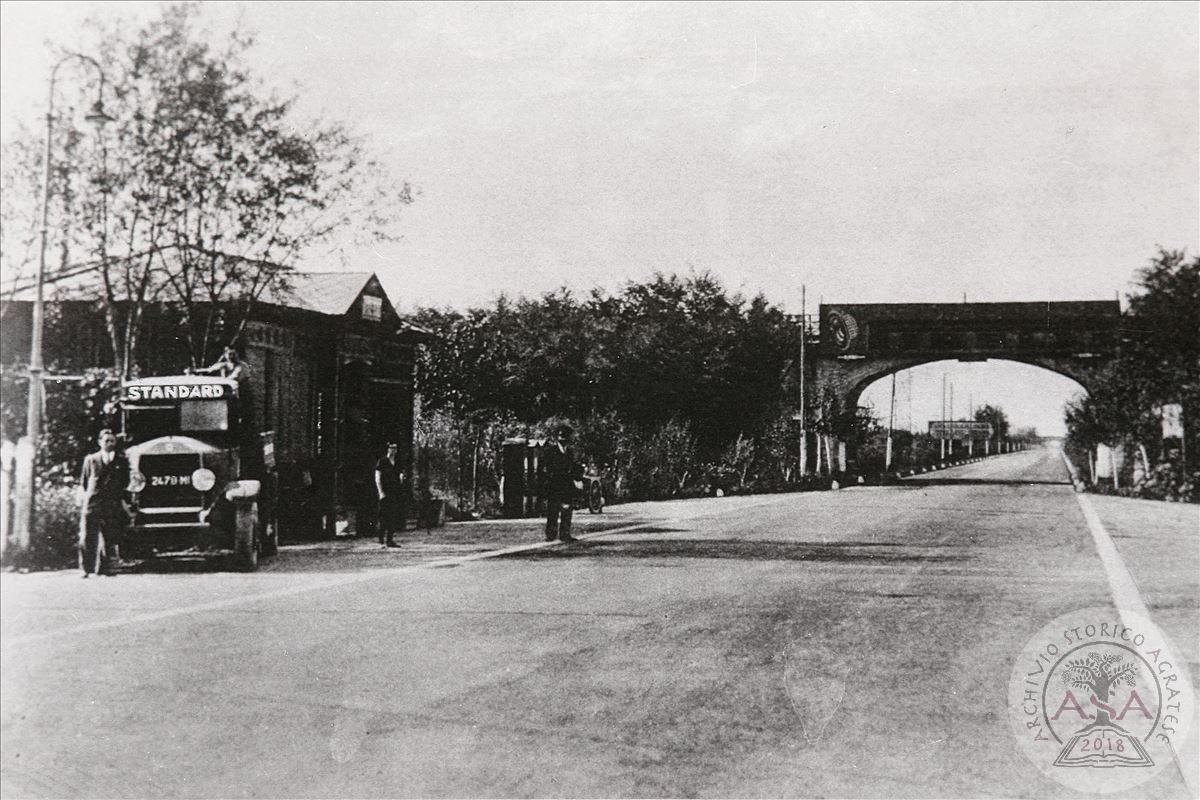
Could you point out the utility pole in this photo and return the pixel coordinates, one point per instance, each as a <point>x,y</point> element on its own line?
<point>887,460</point>
<point>943,436</point>
<point>23,516</point>
<point>951,444</point>
<point>803,425</point>
<point>970,416</point>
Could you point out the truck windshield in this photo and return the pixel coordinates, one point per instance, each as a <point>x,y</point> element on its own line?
<point>187,417</point>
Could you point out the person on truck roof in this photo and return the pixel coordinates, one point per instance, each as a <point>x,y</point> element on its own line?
<point>229,365</point>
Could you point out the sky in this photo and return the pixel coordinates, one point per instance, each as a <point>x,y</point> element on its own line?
<point>894,152</point>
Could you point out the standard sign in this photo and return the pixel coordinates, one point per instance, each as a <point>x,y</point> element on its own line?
<point>182,391</point>
<point>960,429</point>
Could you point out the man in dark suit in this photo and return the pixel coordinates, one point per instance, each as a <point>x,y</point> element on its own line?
<point>104,514</point>
<point>391,485</point>
<point>562,477</point>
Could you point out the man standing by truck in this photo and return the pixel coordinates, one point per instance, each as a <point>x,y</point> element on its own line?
<point>103,512</point>
<point>391,485</point>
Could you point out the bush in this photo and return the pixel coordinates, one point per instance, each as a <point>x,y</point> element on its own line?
<point>662,463</point>
<point>1167,482</point>
<point>55,540</point>
<point>75,413</point>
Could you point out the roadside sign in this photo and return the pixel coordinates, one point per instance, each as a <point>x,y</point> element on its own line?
<point>1172,421</point>
<point>960,430</point>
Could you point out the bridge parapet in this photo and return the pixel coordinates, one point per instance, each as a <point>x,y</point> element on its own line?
<point>861,343</point>
<point>970,331</point>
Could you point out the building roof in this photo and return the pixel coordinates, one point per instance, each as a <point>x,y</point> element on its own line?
<point>78,285</point>
<point>324,292</point>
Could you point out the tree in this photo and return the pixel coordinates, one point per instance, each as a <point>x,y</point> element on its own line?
<point>1159,362</point>
<point>997,418</point>
<point>202,194</point>
<point>669,349</point>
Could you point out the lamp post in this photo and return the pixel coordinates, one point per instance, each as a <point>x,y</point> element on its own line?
<point>24,511</point>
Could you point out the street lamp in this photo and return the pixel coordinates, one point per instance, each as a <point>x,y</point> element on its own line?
<point>97,116</point>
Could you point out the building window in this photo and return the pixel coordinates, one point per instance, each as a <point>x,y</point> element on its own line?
<point>372,308</point>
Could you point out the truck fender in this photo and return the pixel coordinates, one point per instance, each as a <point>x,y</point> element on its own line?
<point>242,490</point>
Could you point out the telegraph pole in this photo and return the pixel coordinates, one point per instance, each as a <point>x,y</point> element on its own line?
<point>942,439</point>
<point>971,416</point>
<point>27,449</point>
<point>803,425</point>
<point>951,443</point>
<point>887,461</point>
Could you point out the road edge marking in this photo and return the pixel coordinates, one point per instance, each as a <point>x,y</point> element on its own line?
<point>1128,600</point>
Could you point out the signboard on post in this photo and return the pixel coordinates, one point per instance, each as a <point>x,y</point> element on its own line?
<point>960,430</point>
<point>1172,421</point>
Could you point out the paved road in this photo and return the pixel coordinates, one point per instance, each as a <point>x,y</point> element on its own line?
<point>843,644</point>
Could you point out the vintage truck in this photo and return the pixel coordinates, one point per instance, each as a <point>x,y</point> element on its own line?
<point>202,475</point>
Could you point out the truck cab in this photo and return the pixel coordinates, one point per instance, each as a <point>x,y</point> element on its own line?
<point>200,475</point>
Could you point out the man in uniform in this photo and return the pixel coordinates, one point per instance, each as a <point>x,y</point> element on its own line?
<point>390,483</point>
<point>103,512</point>
<point>562,477</point>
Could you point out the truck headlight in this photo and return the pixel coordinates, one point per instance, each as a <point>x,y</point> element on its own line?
<point>204,479</point>
<point>137,482</point>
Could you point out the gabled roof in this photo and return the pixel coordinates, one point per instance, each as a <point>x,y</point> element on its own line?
<point>324,292</point>
<point>79,285</point>
<point>328,293</point>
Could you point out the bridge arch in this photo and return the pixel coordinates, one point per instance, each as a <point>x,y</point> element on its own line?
<point>849,384</point>
<point>861,343</point>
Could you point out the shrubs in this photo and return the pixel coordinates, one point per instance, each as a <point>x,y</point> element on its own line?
<point>662,463</point>
<point>55,541</point>
<point>1166,481</point>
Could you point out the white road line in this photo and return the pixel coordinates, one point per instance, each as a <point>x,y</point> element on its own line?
<point>1120,580</point>
<point>231,602</point>
<point>1128,601</point>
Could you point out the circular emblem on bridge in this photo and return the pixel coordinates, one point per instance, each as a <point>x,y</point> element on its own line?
<point>1099,700</point>
<point>843,329</point>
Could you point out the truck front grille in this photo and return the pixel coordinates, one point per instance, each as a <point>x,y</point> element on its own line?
<point>169,485</point>
<point>172,518</point>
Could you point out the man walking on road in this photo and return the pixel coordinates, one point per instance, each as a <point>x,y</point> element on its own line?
<point>103,513</point>
<point>390,485</point>
<point>562,477</point>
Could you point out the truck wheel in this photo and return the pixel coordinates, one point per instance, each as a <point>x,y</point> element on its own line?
<point>595,498</point>
<point>245,537</point>
<point>270,538</point>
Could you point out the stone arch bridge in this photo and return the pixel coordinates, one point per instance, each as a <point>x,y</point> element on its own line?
<point>861,343</point>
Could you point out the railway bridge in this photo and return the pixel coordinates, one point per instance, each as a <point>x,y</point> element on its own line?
<point>861,343</point>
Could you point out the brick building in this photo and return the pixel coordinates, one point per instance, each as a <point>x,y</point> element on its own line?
<point>332,372</point>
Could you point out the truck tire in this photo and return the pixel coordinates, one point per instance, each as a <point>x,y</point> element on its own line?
<point>595,498</point>
<point>245,537</point>
<point>270,538</point>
